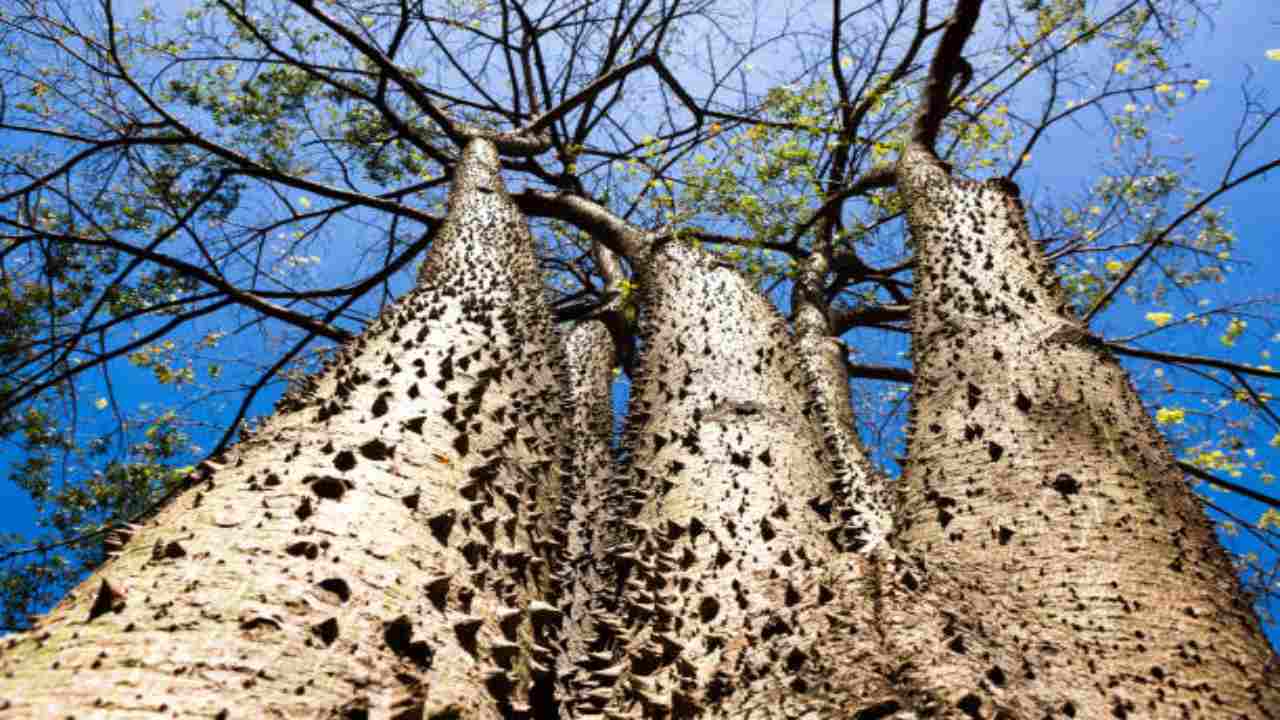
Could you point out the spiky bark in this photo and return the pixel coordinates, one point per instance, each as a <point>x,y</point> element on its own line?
<point>1037,480</point>
<point>382,546</point>
<point>861,495</point>
<point>726,581</point>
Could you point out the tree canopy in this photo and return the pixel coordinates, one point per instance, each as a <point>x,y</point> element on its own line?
<point>199,201</point>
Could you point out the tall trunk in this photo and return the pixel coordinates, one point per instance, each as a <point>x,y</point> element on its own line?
<point>380,548</point>
<point>861,495</point>
<point>590,358</point>
<point>1037,482</point>
<point>728,587</point>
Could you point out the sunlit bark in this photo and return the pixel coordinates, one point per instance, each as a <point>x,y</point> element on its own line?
<point>381,547</point>
<point>1037,480</point>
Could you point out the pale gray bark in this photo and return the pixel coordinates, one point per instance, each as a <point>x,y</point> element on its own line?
<point>1036,480</point>
<point>728,586</point>
<point>861,494</point>
<point>382,546</point>
<point>435,527</point>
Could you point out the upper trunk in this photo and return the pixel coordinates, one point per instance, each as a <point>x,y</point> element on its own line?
<point>1036,478</point>
<point>727,585</point>
<point>861,493</point>
<point>381,546</point>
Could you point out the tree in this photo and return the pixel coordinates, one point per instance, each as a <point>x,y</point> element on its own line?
<point>435,522</point>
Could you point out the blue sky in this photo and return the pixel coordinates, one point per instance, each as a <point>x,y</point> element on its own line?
<point>1228,55</point>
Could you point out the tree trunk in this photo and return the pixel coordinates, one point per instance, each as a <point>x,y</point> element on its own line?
<point>1037,482</point>
<point>381,548</point>
<point>727,583</point>
<point>435,527</point>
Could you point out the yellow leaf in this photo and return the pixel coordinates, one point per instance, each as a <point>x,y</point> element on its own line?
<point>1160,319</point>
<point>1202,84</point>
<point>1274,54</point>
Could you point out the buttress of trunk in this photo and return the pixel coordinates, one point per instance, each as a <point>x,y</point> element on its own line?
<point>860,490</point>
<point>727,584</point>
<point>1037,479</point>
<point>378,548</point>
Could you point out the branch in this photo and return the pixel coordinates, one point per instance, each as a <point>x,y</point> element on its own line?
<point>1159,239</point>
<point>587,215</point>
<point>1254,495</point>
<point>242,297</point>
<point>946,65</point>
<point>1190,360</point>
<point>517,144</point>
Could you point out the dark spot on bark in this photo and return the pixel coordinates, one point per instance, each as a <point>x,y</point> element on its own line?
<point>171,550</point>
<point>1066,485</point>
<point>795,660</point>
<point>338,587</point>
<point>499,684</point>
<point>344,460</point>
<point>708,608</point>
<point>441,525</point>
<point>327,631</point>
<point>466,630</point>
<point>975,395</point>
<point>910,581</point>
<point>878,711</point>
<point>971,705</point>
<point>398,635</point>
<point>1069,709</point>
<point>462,445</point>
<point>995,450</point>
<point>1005,535</point>
<point>1023,402</point>
<point>415,424</point>
<point>329,488</point>
<point>996,676</point>
<point>774,627</point>
<point>380,405</point>
<point>411,501</point>
<point>742,460</point>
<point>438,591</point>
<point>765,458</point>
<point>944,518</point>
<point>375,449</point>
<point>957,646</point>
<point>357,709</point>
<point>260,621</point>
<point>696,528</point>
<point>109,599</point>
<point>304,548</point>
<point>1157,672</point>
<point>766,530</point>
<point>304,509</point>
<point>933,428</point>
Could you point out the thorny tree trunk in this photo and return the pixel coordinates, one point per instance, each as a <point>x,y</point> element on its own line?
<point>393,540</point>
<point>1037,481</point>
<point>725,582</point>
<point>380,548</point>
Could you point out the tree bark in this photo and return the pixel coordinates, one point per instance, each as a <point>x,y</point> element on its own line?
<point>1037,481</point>
<point>727,584</point>
<point>381,548</point>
